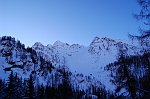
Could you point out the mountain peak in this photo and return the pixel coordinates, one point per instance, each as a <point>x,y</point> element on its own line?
<point>37,44</point>
<point>108,39</point>
<point>102,39</point>
<point>103,43</point>
<point>96,38</point>
<point>49,45</point>
<point>59,43</point>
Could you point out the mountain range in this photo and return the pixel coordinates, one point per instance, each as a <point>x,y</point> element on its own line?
<point>86,64</point>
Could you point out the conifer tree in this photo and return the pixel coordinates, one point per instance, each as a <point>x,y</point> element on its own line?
<point>66,85</point>
<point>2,89</point>
<point>30,85</point>
<point>40,92</point>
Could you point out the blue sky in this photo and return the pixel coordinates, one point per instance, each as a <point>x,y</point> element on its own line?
<point>71,21</point>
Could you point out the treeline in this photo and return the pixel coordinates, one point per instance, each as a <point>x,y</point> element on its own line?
<point>18,88</point>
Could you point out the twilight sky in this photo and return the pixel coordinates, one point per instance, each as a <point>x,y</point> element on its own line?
<point>71,21</point>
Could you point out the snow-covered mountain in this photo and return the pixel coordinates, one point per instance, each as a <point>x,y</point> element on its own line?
<point>88,60</point>
<point>86,64</point>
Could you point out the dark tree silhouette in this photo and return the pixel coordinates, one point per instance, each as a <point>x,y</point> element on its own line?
<point>2,89</point>
<point>31,93</point>
<point>143,15</point>
<point>10,90</point>
<point>41,92</point>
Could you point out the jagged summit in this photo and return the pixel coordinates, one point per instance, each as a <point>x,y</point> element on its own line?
<point>104,44</point>
<point>38,44</point>
<point>49,45</point>
<point>59,43</point>
<point>99,44</point>
<point>103,38</point>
